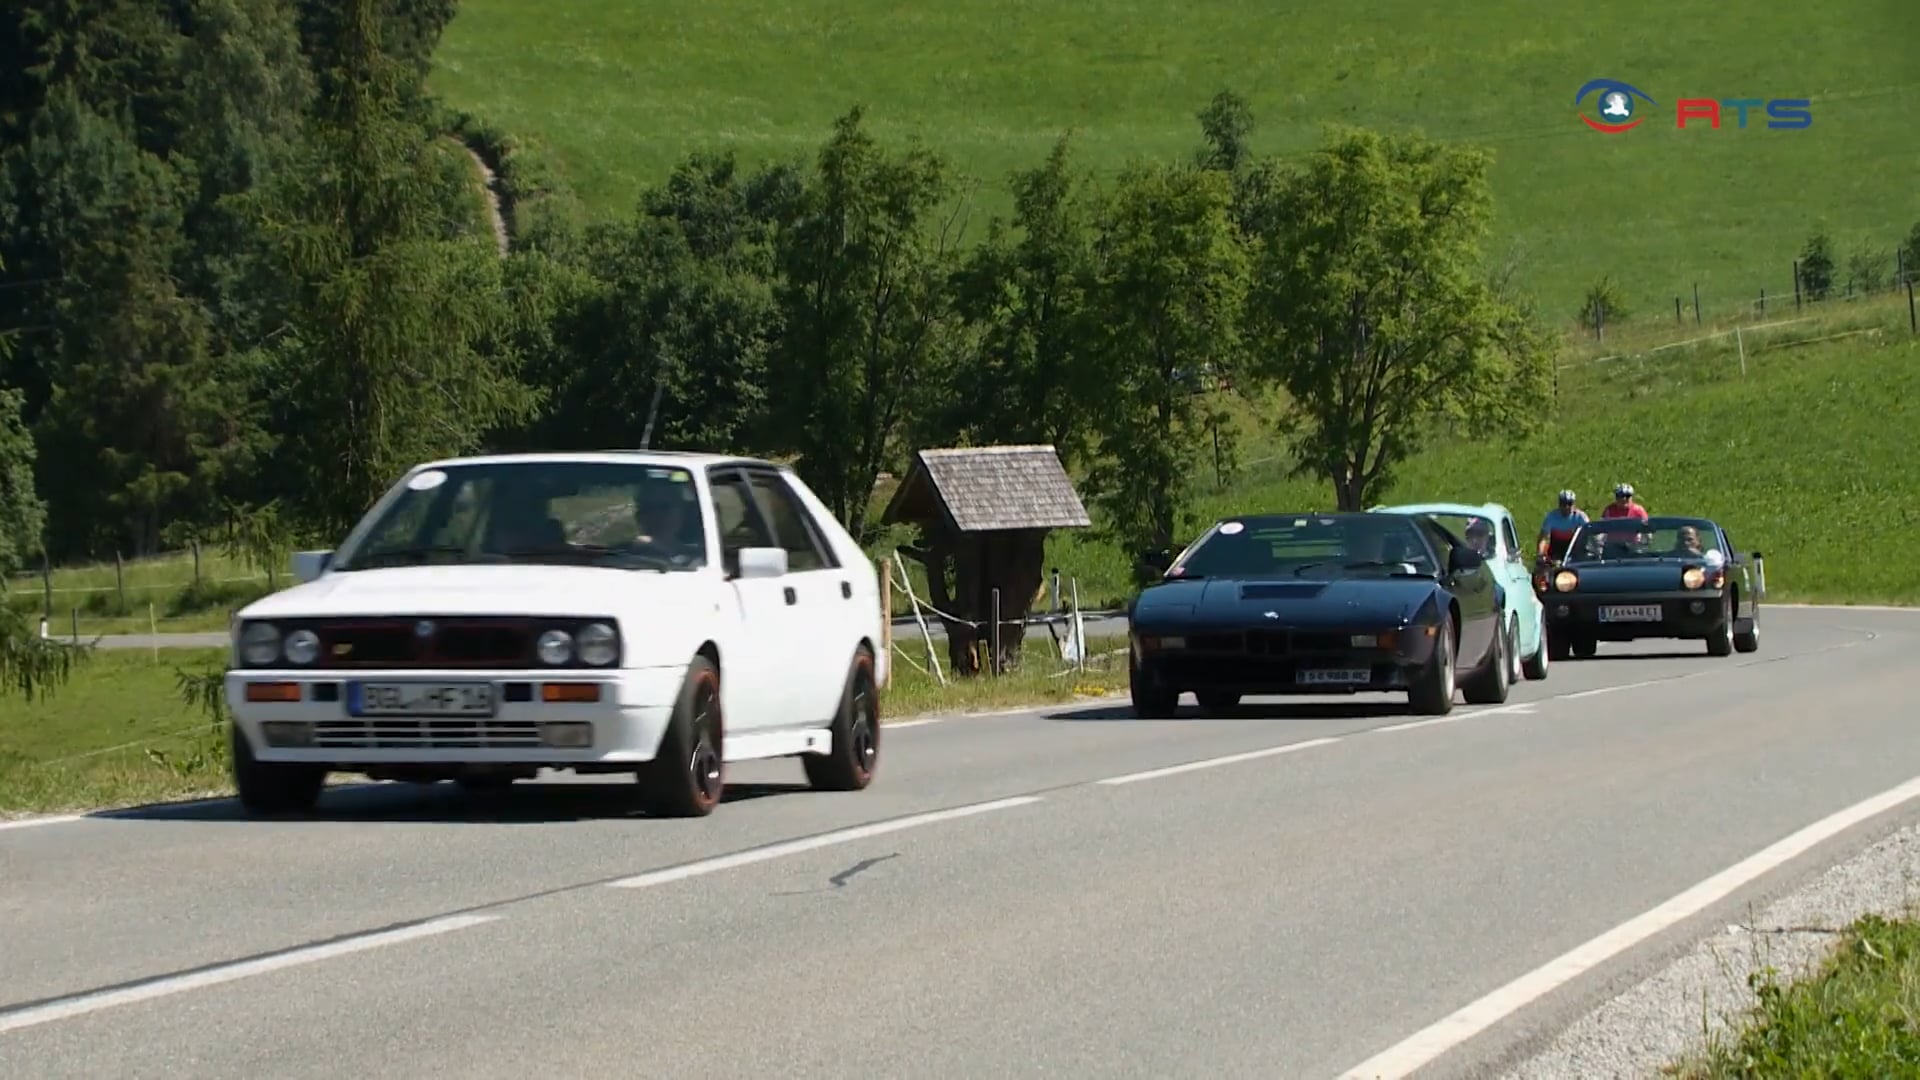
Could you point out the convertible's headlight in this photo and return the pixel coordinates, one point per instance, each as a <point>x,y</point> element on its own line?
<point>556,647</point>
<point>1693,577</point>
<point>302,647</point>
<point>599,645</point>
<point>1566,580</point>
<point>260,643</point>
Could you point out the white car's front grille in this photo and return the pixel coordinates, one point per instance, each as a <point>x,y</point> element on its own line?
<point>440,733</point>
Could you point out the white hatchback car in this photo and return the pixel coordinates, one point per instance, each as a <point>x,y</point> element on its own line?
<point>648,612</point>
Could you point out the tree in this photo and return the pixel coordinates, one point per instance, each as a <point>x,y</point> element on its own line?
<point>865,308</point>
<point>22,514</point>
<point>1370,308</point>
<point>1170,285</point>
<point>1816,267</point>
<point>396,313</point>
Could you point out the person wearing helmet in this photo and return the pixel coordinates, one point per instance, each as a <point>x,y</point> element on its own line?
<point>1480,536</point>
<point>1557,530</point>
<point>1623,505</point>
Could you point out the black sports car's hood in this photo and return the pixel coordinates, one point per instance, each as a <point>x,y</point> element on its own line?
<point>1305,603</point>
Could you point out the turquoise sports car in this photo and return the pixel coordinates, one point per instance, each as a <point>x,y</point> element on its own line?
<point>1492,524</point>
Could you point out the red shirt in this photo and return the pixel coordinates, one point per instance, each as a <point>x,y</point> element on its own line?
<point>1631,510</point>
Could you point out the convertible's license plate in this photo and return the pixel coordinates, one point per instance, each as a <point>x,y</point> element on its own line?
<point>420,699</point>
<point>1630,613</point>
<point>1335,676</point>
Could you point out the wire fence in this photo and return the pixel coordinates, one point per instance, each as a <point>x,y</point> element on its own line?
<point>1066,625</point>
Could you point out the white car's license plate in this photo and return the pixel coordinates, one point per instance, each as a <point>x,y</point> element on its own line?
<point>420,699</point>
<point>1335,676</point>
<point>1630,613</point>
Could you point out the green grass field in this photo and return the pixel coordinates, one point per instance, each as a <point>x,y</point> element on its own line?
<point>610,95</point>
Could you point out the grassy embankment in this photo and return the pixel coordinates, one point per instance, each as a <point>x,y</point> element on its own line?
<point>1854,1016</point>
<point>606,97</point>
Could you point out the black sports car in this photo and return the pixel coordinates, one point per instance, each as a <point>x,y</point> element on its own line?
<point>1665,577</point>
<point>1320,603</point>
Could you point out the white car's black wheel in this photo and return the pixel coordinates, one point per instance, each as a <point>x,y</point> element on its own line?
<point>850,765</point>
<point>1432,691</point>
<point>687,776</point>
<point>273,787</point>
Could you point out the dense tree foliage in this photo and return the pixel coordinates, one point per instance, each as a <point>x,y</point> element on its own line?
<point>247,277</point>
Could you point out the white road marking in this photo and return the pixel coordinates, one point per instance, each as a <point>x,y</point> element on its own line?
<point>1209,763</point>
<point>48,819</point>
<point>1906,609</point>
<point>814,843</point>
<point>82,1004</point>
<point>1520,708</point>
<point>898,725</point>
<point>1428,1044</point>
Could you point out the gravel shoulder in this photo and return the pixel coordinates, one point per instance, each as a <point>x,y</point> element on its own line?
<point>1705,993</point>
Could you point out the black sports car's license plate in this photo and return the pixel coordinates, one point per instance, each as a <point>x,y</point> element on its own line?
<point>1333,676</point>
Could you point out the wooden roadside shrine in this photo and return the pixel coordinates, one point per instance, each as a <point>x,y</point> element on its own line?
<point>984,513</point>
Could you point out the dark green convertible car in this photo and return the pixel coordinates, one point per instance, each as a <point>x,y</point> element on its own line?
<point>1625,579</point>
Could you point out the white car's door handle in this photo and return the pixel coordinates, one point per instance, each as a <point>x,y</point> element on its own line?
<point>846,590</point>
<point>791,598</point>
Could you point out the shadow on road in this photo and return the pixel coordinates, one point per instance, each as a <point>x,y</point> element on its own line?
<point>1699,655</point>
<point>1253,710</point>
<point>446,803</point>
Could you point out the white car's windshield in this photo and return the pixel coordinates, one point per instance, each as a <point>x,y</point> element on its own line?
<point>634,516</point>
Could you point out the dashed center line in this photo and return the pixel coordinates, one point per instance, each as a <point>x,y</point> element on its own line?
<point>1209,763</point>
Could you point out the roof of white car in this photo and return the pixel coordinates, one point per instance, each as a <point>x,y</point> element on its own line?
<point>684,458</point>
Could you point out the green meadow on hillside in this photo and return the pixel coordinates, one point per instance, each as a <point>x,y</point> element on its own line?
<point>1807,457</point>
<point>613,94</point>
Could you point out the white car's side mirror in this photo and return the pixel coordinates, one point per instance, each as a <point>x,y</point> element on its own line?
<point>762,562</point>
<point>308,565</point>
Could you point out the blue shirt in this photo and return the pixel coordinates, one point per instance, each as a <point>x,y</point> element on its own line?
<point>1559,526</point>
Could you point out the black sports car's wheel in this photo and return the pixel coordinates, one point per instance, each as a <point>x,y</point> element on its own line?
<point>1492,684</point>
<point>1748,640</point>
<point>1720,641</point>
<point>1217,701</point>
<point>687,775</point>
<point>1150,699</point>
<point>1432,691</point>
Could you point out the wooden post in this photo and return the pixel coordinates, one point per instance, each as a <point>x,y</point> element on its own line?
<point>153,630</point>
<point>196,564</point>
<point>1763,303</point>
<point>76,624</point>
<point>120,579</point>
<point>1912,320</point>
<point>1599,333</point>
<point>1676,310</point>
<point>1741,341</point>
<point>1079,631</point>
<point>1796,285</point>
<point>994,656</point>
<point>46,581</point>
<point>886,619</point>
<point>1696,303</point>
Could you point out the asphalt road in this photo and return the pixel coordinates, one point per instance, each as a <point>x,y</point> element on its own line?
<point>1345,878</point>
<point>903,630</point>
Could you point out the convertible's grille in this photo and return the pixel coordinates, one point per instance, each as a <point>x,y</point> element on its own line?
<point>439,733</point>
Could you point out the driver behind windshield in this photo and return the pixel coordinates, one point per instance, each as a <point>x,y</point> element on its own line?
<point>668,522</point>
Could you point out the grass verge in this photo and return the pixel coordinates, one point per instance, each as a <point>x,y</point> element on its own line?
<point>1857,1015</point>
<point>121,734</point>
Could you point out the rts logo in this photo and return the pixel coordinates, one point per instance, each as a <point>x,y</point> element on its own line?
<point>1616,111</point>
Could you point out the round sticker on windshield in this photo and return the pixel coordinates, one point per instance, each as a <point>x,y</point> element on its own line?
<point>428,480</point>
<point>1232,527</point>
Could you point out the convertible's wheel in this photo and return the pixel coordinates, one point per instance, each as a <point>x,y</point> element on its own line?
<point>1217,701</point>
<point>1432,692</point>
<point>1559,646</point>
<point>1748,640</point>
<point>1150,699</point>
<point>855,755</point>
<point>273,787</point>
<point>1585,647</point>
<point>1491,686</point>
<point>1720,641</point>
<point>687,777</point>
<point>1535,667</point>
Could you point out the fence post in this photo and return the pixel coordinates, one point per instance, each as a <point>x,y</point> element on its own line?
<point>1599,332</point>
<point>1696,303</point>
<point>1899,266</point>
<point>1741,341</point>
<point>1912,321</point>
<point>1676,310</point>
<point>196,564</point>
<point>1079,631</point>
<point>74,614</point>
<point>886,620</point>
<point>1796,285</point>
<point>46,581</point>
<point>1763,303</point>
<point>120,579</point>
<point>993,658</point>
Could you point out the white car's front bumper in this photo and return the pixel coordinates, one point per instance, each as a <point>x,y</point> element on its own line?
<point>306,718</point>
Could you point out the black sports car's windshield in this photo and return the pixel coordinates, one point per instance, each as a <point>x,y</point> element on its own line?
<point>637,516</point>
<point>1309,546</point>
<point>1617,539</point>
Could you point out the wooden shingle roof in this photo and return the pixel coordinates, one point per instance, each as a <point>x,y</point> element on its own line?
<point>989,489</point>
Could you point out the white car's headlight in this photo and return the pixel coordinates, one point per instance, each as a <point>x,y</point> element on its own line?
<point>556,647</point>
<point>260,643</point>
<point>599,645</point>
<point>303,646</point>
